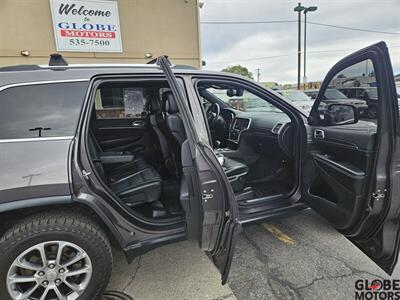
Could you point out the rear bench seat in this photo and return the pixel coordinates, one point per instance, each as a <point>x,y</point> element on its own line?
<point>133,180</point>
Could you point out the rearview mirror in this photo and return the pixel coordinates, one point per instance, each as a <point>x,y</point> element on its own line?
<point>238,92</point>
<point>340,114</point>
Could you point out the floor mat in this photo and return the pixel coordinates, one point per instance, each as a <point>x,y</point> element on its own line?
<point>264,189</point>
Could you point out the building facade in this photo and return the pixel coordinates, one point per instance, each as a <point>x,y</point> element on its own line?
<point>148,28</point>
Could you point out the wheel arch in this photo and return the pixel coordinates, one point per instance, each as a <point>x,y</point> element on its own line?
<point>11,212</point>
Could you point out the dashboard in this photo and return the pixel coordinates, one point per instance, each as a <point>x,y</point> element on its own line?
<point>260,130</point>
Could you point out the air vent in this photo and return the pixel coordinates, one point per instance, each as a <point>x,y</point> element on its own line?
<point>276,128</point>
<point>241,124</point>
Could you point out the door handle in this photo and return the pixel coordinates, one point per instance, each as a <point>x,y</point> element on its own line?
<point>138,124</point>
<point>319,134</point>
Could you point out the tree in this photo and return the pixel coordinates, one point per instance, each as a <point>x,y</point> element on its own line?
<point>240,70</point>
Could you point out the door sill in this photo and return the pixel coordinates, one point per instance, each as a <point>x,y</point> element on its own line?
<point>271,211</point>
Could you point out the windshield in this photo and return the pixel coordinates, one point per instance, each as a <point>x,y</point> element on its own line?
<point>332,94</point>
<point>294,95</point>
<point>246,102</point>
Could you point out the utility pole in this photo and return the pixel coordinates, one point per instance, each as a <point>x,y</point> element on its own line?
<point>299,9</point>
<point>258,74</point>
<point>306,10</point>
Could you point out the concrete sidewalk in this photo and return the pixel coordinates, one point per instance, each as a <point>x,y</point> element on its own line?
<point>176,271</point>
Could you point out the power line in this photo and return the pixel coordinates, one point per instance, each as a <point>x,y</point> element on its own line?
<point>293,21</point>
<point>353,28</point>
<point>219,2</point>
<point>246,22</point>
<point>251,59</point>
<point>285,55</point>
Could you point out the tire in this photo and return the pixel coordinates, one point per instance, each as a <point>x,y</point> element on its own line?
<point>69,230</point>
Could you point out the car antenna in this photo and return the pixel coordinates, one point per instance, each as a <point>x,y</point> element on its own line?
<point>56,59</point>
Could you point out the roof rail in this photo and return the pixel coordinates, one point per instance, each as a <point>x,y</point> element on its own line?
<point>56,59</point>
<point>184,67</point>
<point>20,68</point>
<point>155,61</point>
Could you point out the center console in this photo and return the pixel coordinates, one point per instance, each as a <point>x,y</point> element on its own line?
<point>238,126</point>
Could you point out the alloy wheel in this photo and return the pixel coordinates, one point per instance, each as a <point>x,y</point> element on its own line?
<point>50,271</point>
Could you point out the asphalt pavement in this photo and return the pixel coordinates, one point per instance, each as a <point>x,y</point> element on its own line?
<point>298,257</point>
<point>179,271</point>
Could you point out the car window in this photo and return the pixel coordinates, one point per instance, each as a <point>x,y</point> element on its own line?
<point>294,95</point>
<point>244,102</point>
<point>116,102</point>
<point>354,79</point>
<point>312,95</point>
<point>349,93</point>
<point>332,94</point>
<point>42,110</point>
<point>372,93</point>
<point>358,92</point>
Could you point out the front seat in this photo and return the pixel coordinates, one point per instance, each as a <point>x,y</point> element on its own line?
<point>236,173</point>
<point>176,135</point>
<point>175,130</point>
<point>158,124</point>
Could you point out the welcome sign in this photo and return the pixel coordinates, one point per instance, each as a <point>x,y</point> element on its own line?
<point>86,26</point>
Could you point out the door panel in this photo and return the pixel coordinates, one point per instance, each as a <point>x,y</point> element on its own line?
<point>215,215</point>
<point>335,170</point>
<point>351,173</point>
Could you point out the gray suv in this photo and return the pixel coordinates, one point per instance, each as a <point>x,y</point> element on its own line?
<point>138,156</point>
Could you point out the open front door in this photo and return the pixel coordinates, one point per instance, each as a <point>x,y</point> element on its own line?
<point>351,171</point>
<point>209,202</point>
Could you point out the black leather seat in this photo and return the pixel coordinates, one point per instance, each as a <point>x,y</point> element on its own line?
<point>121,164</point>
<point>134,182</point>
<point>176,135</point>
<point>158,123</point>
<point>143,186</point>
<point>126,169</point>
<point>236,173</point>
<point>175,130</point>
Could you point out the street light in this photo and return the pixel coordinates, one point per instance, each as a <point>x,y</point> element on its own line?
<point>306,10</point>
<point>299,9</point>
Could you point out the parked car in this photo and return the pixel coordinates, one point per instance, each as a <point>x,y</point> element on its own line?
<point>299,98</point>
<point>369,94</point>
<point>76,181</point>
<point>336,96</point>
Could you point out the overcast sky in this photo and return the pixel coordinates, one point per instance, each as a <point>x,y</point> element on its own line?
<point>224,45</point>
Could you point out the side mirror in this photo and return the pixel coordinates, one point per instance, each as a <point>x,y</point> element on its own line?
<point>340,114</point>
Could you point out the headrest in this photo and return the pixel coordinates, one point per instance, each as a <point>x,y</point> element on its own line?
<point>153,104</point>
<point>169,103</point>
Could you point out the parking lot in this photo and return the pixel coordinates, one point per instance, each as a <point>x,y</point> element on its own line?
<point>299,257</point>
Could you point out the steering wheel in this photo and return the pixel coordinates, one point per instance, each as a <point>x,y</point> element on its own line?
<point>212,114</point>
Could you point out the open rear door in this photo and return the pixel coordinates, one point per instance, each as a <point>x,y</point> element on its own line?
<point>351,171</point>
<point>210,206</point>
